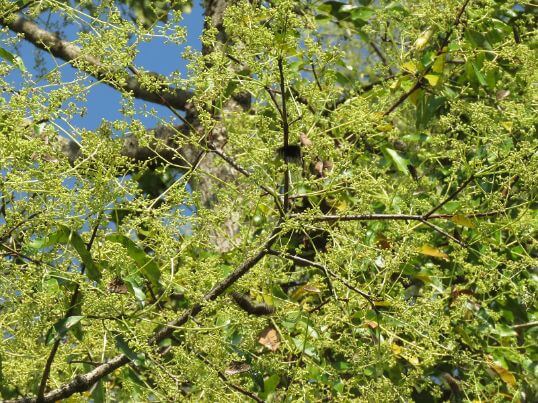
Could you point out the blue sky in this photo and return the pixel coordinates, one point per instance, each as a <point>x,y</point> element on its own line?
<point>103,102</point>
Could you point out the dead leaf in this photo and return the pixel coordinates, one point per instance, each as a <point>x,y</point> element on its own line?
<point>327,166</point>
<point>423,39</point>
<point>311,288</point>
<point>382,242</point>
<point>305,141</point>
<point>501,94</point>
<point>370,323</point>
<point>117,286</point>
<point>318,168</point>
<point>237,367</point>
<point>503,373</point>
<point>431,251</point>
<point>269,338</point>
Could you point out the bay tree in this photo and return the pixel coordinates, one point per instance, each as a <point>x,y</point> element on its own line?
<point>337,202</point>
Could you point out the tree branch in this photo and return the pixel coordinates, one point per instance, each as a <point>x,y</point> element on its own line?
<point>387,217</point>
<point>72,54</point>
<point>84,382</point>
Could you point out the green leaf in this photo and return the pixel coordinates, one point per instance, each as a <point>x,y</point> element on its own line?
<point>362,14</point>
<point>399,162</point>
<point>60,328</point>
<point>64,235</point>
<point>427,106</point>
<point>134,288</point>
<point>479,76</point>
<point>13,59</point>
<point>462,220</point>
<point>147,264</point>
<point>98,392</point>
<point>121,344</point>
<point>270,384</point>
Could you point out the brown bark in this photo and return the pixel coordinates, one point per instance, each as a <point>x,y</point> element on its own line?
<point>177,98</point>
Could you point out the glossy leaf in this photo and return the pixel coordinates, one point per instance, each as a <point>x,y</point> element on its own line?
<point>147,264</point>
<point>60,328</point>
<point>64,235</point>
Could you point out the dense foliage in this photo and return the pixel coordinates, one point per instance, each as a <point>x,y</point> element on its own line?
<point>344,206</point>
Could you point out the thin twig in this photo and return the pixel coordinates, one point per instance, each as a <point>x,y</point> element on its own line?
<point>273,98</point>
<point>525,325</point>
<point>450,197</point>
<point>316,76</point>
<point>246,173</point>
<point>84,382</point>
<point>443,232</point>
<point>71,53</point>
<point>286,135</point>
<point>379,53</point>
<point>10,231</point>
<point>328,271</point>
<point>216,291</point>
<point>13,252</point>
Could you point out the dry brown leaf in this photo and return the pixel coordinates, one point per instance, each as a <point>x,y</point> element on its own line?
<point>305,141</point>
<point>269,338</point>
<point>117,286</point>
<point>318,168</point>
<point>237,367</point>
<point>370,323</point>
<point>503,373</point>
<point>311,288</point>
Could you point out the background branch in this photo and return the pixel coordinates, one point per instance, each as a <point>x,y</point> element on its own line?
<point>74,55</point>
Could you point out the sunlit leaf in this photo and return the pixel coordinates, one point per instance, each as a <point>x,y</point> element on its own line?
<point>438,65</point>
<point>400,162</point>
<point>411,67</point>
<point>433,79</point>
<point>508,125</point>
<point>60,328</point>
<point>462,220</point>
<point>503,373</point>
<point>13,59</point>
<point>434,252</point>
<point>270,383</point>
<point>147,264</point>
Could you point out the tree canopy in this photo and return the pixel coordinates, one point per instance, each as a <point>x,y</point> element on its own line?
<point>342,206</point>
